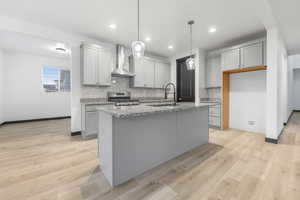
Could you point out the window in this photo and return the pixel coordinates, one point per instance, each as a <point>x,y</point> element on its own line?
<point>55,80</point>
<point>65,81</point>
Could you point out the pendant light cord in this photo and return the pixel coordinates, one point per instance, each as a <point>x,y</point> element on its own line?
<point>138,6</point>
<point>191,40</point>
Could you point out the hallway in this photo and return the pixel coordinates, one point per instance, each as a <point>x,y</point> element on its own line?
<point>291,133</point>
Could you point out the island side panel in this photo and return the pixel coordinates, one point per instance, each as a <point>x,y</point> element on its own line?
<point>142,143</point>
<point>192,129</point>
<point>105,145</point>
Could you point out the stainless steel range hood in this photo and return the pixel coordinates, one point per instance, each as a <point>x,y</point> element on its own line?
<point>120,70</point>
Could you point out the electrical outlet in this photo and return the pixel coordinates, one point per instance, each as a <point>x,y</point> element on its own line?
<point>251,123</point>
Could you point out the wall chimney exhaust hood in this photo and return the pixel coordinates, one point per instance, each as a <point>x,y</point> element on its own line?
<point>120,70</point>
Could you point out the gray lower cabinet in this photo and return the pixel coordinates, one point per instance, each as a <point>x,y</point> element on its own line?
<point>131,146</point>
<point>89,121</point>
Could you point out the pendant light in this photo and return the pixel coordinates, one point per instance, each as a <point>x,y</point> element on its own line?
<point>190,62</point>
<point>138,47</point>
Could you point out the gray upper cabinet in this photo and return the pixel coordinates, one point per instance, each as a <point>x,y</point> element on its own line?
<point>252,55</point>
<point>89,65</point>
<point>97,64</point>
<point>105,66</point>
<point>162,74</point>
<point>144,73</point>
<point>138,70</point>
<point>213,71</point>
<point>231,59</point>
<point>149,73</point>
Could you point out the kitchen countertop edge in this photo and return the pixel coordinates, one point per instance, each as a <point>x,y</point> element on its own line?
<point>149,111</point>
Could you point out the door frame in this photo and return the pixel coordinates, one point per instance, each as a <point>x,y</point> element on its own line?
<point>226,91</point>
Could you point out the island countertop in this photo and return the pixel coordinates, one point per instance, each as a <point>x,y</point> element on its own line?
<point>146,109</point>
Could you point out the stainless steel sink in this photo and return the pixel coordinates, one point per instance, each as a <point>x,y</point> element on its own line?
<point>164,105</point>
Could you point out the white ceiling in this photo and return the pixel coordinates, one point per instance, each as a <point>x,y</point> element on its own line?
<point>11,41</point>
<point>163,20</point>
<point>287,15</point>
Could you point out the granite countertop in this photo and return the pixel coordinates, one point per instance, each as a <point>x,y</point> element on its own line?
<point>103,101</point>
<point>146,109</point>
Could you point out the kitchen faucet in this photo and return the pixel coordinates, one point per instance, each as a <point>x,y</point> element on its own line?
<point>166,92</point>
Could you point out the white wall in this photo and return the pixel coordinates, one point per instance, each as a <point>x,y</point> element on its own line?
<point>24,95</point>
<point>76,90</point>
<point>293,88</point>
<point>296,89</point>
<point>71,39</point>
<point>247,101</point>
<point>290,88</point>
<point>277,81</point>
<point>199,71</point>
<point>1,87</point>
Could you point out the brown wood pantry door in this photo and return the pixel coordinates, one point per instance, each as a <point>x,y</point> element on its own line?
<point>185,82</point>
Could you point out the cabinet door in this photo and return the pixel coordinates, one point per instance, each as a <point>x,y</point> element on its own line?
<point>105,66</point>
<point>209,73</point>
<point>213,71</point>
<point>162,74</point>
<point>231,59</point>
<point>149,65</point>
<point>91,123</point>
<point>90,65</point>
<point>139,79</point>
<point>216,71</point>
<point>144,73</point>
<point>252,55</point>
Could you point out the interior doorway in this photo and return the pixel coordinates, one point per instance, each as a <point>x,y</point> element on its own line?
<point>185,82</point>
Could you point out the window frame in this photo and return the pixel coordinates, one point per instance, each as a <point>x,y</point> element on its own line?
<point>60,69</point>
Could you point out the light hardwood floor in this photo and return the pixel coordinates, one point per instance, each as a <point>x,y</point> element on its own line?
<point>39,160</point>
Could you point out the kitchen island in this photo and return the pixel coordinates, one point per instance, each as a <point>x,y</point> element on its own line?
<point>134,139</point>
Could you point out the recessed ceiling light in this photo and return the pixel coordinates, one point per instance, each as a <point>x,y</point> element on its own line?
<point>148,39</point>
<point>212,29</point>
<point>112,26</point>
<point>170,47</point>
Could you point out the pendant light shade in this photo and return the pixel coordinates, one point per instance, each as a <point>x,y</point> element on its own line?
<point>190,62</point>
<point>138,47</point>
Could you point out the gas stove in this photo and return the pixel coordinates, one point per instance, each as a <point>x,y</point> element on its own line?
<point>122,99</point>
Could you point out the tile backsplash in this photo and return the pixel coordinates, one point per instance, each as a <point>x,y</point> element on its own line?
<point>214,93</point>
<point>120,84</point>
